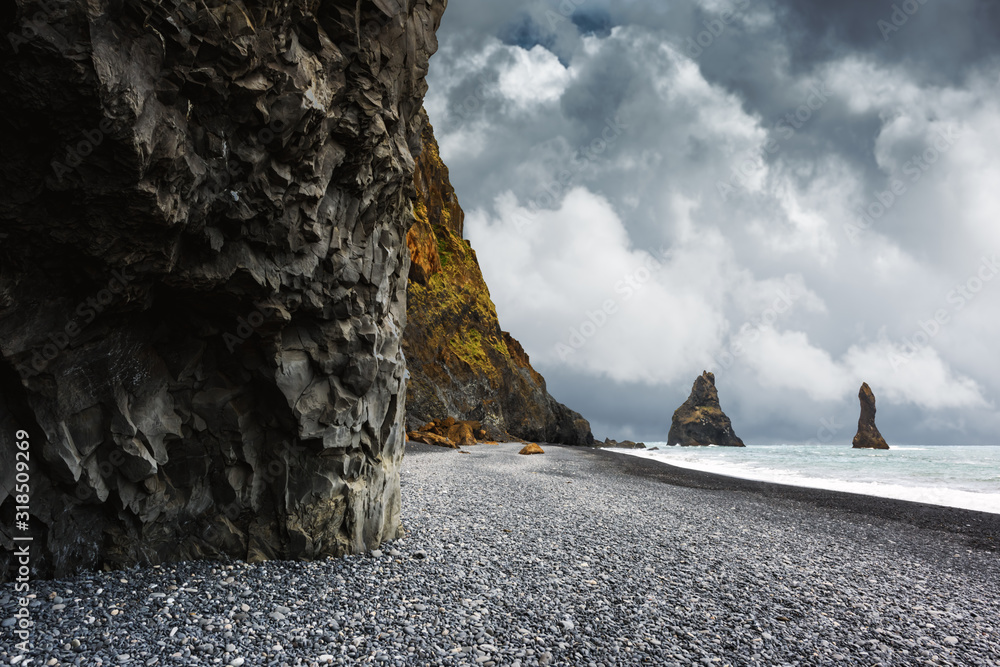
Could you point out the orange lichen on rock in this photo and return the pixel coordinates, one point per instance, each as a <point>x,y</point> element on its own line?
<point>447,433</point>
<point>531,448</point>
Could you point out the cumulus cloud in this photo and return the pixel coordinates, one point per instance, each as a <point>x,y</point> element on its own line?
<point>793,203</point>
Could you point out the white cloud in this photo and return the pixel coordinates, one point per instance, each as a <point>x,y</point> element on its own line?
<point>919,376</point>
<point>787,360</point>
<point>534,77</point>
<point>569,281</point>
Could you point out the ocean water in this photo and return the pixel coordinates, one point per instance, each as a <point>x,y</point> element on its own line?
<point>953,476</point>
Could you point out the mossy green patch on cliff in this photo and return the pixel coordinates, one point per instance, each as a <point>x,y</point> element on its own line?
<point>700,414</point>
<point>444,247</point>
<point>469,348</point>
<point>457,312</point>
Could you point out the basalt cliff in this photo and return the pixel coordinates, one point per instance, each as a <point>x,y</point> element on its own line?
<point>203,270</point>
<point>462,365</point>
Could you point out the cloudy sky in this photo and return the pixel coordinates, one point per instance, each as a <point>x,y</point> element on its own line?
<point>797,196</point>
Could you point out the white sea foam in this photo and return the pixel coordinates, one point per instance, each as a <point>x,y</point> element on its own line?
<point>961,477</point>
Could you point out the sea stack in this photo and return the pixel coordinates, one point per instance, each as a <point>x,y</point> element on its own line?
<point>700,420</point>
<point>868,436</point>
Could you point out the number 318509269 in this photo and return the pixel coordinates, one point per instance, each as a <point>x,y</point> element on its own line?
<point>22,476</point>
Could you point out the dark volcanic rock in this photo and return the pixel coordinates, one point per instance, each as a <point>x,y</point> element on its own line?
<point>203,208</point>
<point>700,420</point>
<point>461,363</point>
<point>868,436</point>
<point>624,444</point>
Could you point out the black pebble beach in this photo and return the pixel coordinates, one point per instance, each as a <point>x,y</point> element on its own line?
<point>574,557</point>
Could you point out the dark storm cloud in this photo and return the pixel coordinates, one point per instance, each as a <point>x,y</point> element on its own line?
<point>523,31</point>
<point>596,21</point>
<point>941,40</point>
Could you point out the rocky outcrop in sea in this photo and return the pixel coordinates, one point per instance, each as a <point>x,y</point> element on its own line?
<point>868,436</point>
<point>624,444</point>
<point>700,420</point>
<point>203,268</point>
<point>462,364</point>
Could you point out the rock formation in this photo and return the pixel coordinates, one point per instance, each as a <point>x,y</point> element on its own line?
<point>531,448</point>
<point>461,363</point>
<point>624,444</point>
<point>868,436</point>
<point>700,420</point>
<point>449,433</point>
<point>203,210</point>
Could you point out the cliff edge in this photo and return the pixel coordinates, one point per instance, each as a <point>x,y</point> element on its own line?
<point>461,363</point>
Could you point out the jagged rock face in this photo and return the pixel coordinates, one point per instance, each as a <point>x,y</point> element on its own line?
<point>461,363</point>
<point>868,436</point>
<point>202,288</point>
<point>700,420</point>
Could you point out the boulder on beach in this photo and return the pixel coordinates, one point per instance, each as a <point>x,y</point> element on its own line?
<point>448,432</point>
<point>531,448</point>
<point>868,436</point>
<point>429,438</point>
<point>700,420</point>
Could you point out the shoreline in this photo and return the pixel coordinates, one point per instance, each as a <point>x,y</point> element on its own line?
<point>980,529</point>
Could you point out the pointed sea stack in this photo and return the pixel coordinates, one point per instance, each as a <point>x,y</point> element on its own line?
<point>868,436</point>
<point>700,420</point>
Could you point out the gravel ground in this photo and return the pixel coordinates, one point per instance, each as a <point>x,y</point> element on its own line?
<point>567,558</point>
